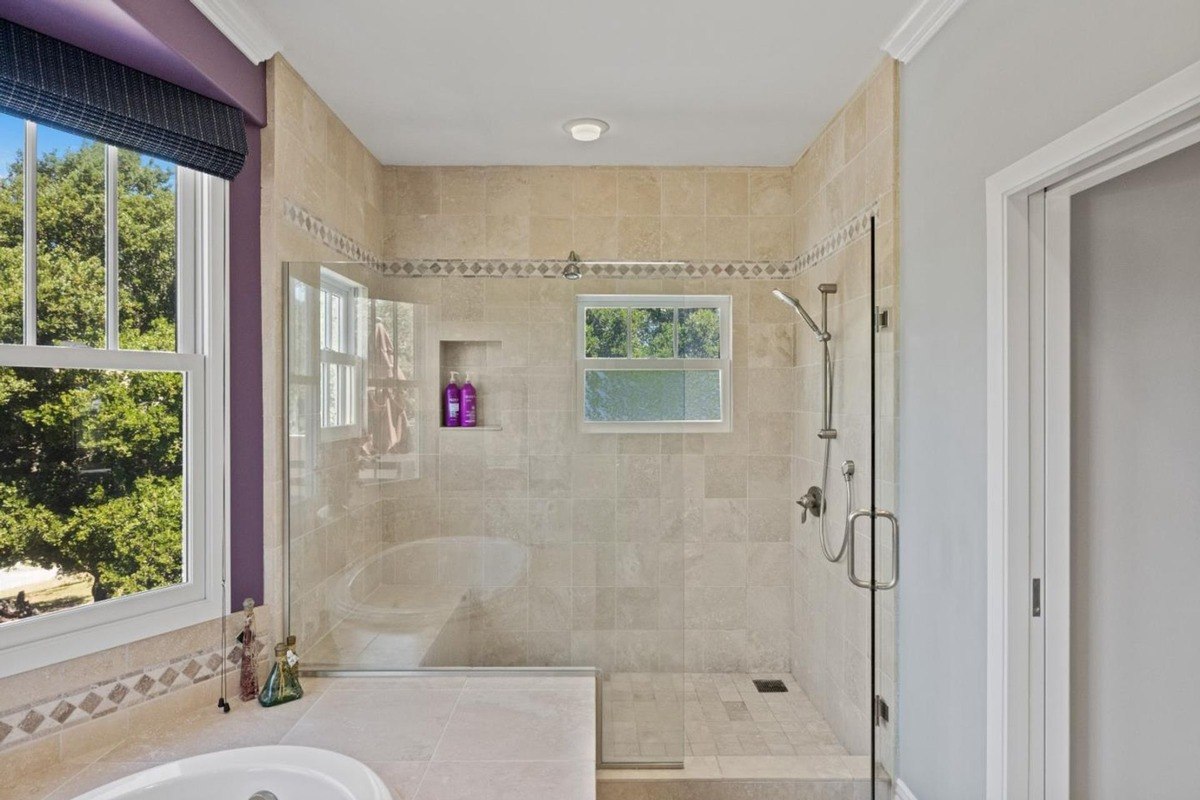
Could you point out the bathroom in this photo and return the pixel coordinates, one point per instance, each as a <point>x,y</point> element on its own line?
<point>498,431</point>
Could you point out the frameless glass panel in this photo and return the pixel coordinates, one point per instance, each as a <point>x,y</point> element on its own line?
<point>606,333</point>
<point>12,222</point>
<point>91,495</point>
<point>886,531</point>
<point>70,240</point>
<point>699,333</point>
<point>487,547</point>
<point>653,332</point>
<point>146,266</point>
<point>629,395</point>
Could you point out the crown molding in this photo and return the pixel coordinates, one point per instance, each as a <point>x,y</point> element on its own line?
<point>242,25</point>
<point>924,20</point>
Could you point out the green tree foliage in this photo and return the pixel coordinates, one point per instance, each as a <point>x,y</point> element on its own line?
<point>90,461</point>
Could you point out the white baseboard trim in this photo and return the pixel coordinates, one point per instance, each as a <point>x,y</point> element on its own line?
<point>903,792</point>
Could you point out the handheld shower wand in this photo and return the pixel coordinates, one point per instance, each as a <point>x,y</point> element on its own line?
<point>814,500</point>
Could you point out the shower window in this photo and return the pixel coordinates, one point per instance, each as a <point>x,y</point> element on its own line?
<point>654,363</point>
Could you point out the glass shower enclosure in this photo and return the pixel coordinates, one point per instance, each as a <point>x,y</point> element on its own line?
<point>521,543</point>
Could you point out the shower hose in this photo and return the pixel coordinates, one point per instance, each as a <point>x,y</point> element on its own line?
<point>847,472</point>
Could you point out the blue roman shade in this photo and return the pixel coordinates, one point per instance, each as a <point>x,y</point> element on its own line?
<point>46,80</point>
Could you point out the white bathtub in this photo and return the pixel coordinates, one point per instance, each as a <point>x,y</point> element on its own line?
<point>288,773</point>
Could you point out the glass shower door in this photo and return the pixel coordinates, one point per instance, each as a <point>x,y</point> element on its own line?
<point>885,532</point>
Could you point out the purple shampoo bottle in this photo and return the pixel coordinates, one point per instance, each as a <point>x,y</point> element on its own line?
<point>468,403</point>
<point>453,402</point>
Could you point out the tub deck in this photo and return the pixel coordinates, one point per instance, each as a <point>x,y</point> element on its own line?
<point>429,738</point>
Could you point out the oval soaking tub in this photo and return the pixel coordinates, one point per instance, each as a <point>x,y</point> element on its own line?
<point>278,772</point>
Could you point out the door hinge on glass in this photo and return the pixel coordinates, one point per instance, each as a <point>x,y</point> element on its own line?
<point>882,318</point>
<point>1037,597</point>
<point>881,710</point>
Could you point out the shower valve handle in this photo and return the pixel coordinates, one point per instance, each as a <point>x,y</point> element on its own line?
<point>810,502</point>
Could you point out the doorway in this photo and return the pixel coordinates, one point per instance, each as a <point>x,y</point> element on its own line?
<point>1091,623</point>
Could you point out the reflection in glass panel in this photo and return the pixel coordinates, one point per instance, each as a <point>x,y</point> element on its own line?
<point>70,240</point>
<point>12,219</point>
<point>146,251</point>
<point>393,397</point>
<point>91,496</point>
<point>631,395</point>
<point>653,332</point>
<point>699,333</point>
<point>606,333</point>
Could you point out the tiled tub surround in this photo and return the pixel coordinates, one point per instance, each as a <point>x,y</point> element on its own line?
<point>54,708</point>
<point>437,738</point>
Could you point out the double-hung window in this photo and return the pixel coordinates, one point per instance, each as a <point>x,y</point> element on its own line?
<point>654,363</point>
<point>112,395</point>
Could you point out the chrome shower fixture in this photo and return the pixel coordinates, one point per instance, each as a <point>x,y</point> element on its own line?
<point>571,270</point>
<point>799,309</point>
<point>814,501</point>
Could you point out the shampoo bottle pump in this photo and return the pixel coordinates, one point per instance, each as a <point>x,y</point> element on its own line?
<point>453,402</point>
<point>468,403</point>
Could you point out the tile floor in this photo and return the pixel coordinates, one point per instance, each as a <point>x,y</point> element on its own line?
<point>437,738</point>
<point>652,716</point>
<point>729,733</point>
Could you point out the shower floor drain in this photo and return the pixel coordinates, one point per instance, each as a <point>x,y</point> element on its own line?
<point>769,685</point>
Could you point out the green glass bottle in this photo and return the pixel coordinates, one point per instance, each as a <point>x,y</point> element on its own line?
<point>281,685</point>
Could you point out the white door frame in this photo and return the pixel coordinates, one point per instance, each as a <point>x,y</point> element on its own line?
<point>1028,420</point>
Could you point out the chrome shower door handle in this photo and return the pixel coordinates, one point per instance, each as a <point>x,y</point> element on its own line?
<point>895,526</point>
<point>891,582</point>
<point>851,535</point>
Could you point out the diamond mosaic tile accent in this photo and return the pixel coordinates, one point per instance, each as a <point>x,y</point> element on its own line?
<point>53,714</point>
<point>858,225</point>
<point>31,721</point>
<point>62,711</point>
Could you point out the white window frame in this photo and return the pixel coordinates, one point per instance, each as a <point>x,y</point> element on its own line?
<point>724,364</point>
<point>202,225</point>
<point>353,335</point>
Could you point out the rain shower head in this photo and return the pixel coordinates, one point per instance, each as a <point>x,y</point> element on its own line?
<point>799,309</point>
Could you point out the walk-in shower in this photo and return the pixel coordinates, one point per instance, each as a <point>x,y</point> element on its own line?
<point>675,566</point>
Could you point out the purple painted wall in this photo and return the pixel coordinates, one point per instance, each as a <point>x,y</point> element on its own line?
<point>171,40</point>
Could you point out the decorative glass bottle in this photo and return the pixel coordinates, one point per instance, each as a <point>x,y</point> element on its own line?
<point>281,685</point>
<point>249,667</point>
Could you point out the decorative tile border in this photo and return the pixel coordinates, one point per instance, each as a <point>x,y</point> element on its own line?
<point>855,227</point>
<point>486,268</point>
<point>52,715</point>
<point>858,225</point>
<point>328,235</point>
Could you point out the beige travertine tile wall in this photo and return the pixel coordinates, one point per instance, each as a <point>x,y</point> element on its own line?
<point>623,213</point>
<point>727,495</point>
<point>591,549</point>
<point>311,159</point>
<point>851,165</point>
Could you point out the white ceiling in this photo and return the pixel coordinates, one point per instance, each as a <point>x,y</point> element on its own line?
<point>709,82</point>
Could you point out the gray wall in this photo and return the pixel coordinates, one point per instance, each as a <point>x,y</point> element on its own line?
<point>1135,456</point>
<point>1002,79</point>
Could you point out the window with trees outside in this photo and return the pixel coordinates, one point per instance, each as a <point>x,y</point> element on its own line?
<point>654,363</point>
<point>111,394</point>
